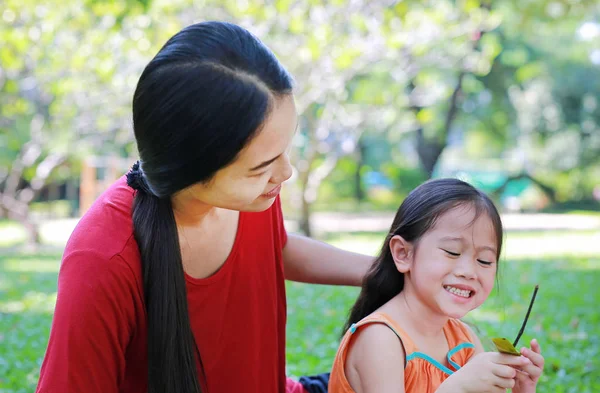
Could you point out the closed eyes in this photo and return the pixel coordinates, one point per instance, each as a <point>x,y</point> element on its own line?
<point>455,254</point>
<point>259,174</point>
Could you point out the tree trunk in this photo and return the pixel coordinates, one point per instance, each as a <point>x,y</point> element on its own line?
<point>16,200</point>
<point>549,191</point>
<point>430,150</point>
<point>33,233</point>
<point>19,211</point>
<point>304,169</point>
<point>305,226</point>
<point>359,192</point>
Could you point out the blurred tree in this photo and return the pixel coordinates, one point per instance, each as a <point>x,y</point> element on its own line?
<point>537,109</point>
<point>436,78</point>
<point>364,65</point>
<point>483,80</point>
<point>65,87</point>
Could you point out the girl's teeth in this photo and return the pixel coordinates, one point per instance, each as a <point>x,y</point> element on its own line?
<point>459,292</point>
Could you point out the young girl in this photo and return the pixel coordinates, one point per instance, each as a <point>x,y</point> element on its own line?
<point>438,262</point>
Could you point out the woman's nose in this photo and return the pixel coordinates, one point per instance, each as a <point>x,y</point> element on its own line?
<point>284,170</point>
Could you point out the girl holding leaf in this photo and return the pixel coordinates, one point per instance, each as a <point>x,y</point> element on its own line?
<point>404,334</point>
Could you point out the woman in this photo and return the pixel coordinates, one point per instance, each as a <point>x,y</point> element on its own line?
<point>173,282</point>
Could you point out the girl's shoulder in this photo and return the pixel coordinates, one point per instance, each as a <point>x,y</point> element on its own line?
<point>382,323</point>
<point>370,352</point>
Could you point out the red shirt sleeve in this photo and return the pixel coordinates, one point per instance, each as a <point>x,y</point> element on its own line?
<point>91,327</point>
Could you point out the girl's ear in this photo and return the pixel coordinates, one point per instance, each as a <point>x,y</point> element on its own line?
<point>402,252</point>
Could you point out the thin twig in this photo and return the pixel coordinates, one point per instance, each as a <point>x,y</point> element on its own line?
<point>526,316</point>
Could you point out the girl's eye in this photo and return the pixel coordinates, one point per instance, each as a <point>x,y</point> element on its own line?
<point>484,262</point>
<point>454,254</point>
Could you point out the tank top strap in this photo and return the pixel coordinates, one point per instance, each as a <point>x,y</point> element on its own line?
<point>460,341</point>
<point>407,343</point>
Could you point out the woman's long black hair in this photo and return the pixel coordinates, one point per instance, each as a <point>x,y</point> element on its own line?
<point>197,104</point>
<point>417,215</point>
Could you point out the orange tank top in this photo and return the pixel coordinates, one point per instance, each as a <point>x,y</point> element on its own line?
<point>422,373</point>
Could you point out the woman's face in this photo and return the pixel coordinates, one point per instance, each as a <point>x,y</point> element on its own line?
<point>254,179</point>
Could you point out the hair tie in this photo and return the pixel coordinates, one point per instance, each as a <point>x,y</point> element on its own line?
<point>137,180</point>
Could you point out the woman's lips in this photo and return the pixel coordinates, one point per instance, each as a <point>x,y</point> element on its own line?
<point>273,193</point>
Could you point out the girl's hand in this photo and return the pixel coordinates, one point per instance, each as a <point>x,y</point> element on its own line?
<point>528,375</point>
<point>486,372</point>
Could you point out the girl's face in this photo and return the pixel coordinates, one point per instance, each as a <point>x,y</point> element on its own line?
<point>453,267</point>
<point>254,179</point>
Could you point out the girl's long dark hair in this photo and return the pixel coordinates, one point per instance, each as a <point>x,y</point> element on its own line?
<point>197,104</point>
<point>417,214</point>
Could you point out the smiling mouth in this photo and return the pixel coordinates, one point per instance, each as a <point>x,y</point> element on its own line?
<point>273,192</point>
<point>459,292</point>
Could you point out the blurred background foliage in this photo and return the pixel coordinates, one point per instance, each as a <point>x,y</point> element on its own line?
<point>390,93</point>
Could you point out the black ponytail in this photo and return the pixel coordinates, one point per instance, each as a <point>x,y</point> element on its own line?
<point>171,345</point>
<point>155,232</point>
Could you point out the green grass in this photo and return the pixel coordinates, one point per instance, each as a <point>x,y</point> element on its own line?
<point>27,298</point>
<point>565,319</point>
